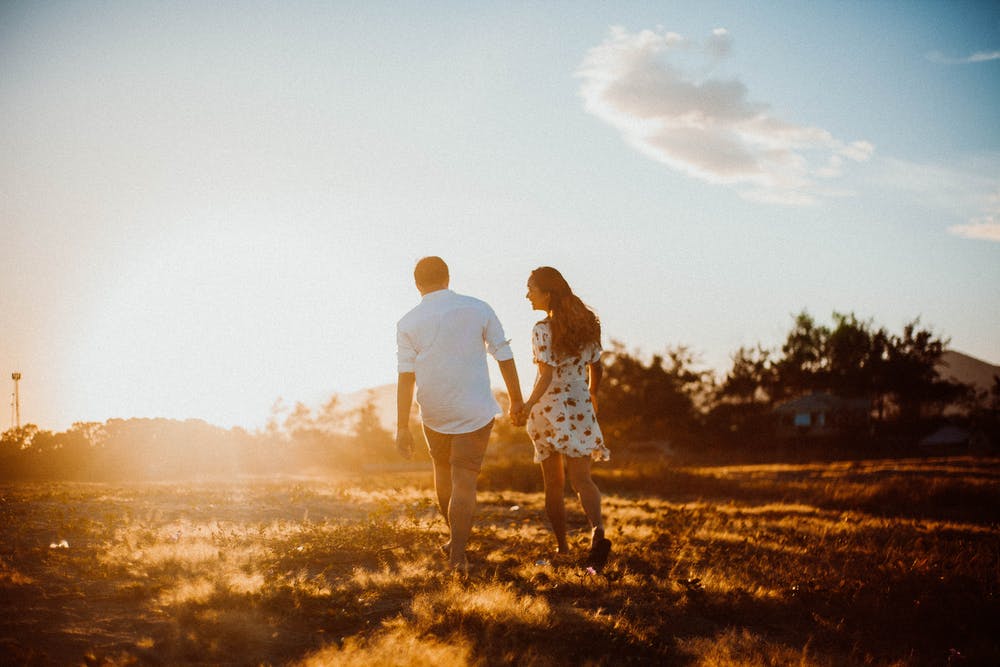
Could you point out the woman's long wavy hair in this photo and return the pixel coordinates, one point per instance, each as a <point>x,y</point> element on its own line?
<point>574,325</point>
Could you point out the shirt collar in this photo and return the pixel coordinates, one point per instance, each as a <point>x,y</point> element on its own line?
<point>436,294</point>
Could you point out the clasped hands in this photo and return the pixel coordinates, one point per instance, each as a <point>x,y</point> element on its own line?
<point>519,412</point>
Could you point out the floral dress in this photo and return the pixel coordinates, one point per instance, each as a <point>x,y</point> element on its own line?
<point>563,420</point>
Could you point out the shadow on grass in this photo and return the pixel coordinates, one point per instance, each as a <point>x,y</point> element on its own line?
<point>966,490</point>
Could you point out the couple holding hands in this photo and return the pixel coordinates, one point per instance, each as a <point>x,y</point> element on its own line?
<point>441,353</point>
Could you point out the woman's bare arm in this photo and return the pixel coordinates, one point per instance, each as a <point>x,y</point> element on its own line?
<point>542,382</point>
<point>596,372</point>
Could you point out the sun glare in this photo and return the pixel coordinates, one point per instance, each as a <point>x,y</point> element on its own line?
<point>220,329</point>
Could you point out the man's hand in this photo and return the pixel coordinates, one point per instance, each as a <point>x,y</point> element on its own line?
<point>522,415</point>
<point>404,443</point>
<point>516,413</point>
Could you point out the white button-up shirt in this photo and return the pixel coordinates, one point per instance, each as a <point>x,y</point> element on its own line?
<point>444,341</point>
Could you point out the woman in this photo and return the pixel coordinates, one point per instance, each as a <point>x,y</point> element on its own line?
<point>561,413</point>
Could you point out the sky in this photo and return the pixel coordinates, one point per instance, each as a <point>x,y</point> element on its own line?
<point>206,207</point>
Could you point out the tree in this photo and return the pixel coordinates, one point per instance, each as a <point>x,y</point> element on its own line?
<point>911,373</point>
<point>852,359</point>
<point>751,379</point>
<point>852,356</point>
<point>17,439</point>
<point>803,366</point>
<point>655,400</point>
<point>372,438</point>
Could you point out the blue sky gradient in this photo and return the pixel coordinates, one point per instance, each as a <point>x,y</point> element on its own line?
<point>206,206</point>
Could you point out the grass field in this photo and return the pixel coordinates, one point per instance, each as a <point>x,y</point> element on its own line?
<point>871,562</point>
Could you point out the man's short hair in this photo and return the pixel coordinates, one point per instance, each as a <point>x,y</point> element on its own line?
<point>431,271</point>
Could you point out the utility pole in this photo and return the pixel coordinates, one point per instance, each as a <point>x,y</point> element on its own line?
<point>15,405</point>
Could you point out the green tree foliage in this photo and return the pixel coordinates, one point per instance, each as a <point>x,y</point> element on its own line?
<point>912,375</point>
<point>374,440</point>
<point>655,400</point>
<point>294,441</point>
<point>16,439</point>
<point>802,364</point>
<point>855,354</point>
<point>853,358</point>
<point>752,378</point>
<point>332,436</point>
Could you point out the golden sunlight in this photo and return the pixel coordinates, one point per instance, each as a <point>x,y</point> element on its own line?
<point>182,328</point>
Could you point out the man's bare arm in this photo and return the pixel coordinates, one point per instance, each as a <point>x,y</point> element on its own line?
<point>509,371</point>
<point>404,403</point>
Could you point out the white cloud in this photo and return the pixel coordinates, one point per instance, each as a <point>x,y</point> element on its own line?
<point>985,227</point>
<point>984,231</point>
<point>708,128</point>
<point>977,57</point>
<point>969,192</point>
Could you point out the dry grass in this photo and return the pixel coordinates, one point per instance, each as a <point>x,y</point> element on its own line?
<point>879,562</point>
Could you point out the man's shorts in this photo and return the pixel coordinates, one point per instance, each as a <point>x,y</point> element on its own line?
<point>461,450</point>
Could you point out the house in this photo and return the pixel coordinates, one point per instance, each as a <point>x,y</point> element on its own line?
<point>946,437</point>
<point>821,414</point>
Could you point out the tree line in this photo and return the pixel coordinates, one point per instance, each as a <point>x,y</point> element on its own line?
<point>295,440</point>
<point>668,397</point>
<point>897,373</point>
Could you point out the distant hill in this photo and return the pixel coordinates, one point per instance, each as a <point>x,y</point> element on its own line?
<point>969,370</point>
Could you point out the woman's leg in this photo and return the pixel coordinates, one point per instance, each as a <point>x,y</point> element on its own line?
<point>586,490</point>
<point>555,504</point>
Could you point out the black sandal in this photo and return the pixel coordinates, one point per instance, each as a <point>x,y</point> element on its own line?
<point>600,549</point>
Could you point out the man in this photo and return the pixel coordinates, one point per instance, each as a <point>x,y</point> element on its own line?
<point>441,349</point>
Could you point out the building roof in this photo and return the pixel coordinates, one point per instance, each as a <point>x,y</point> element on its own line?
<point>822,401</point>
<point>946,435</point>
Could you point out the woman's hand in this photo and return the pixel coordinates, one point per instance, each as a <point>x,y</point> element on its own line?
<point>521,418</point>
<point>514,413</point>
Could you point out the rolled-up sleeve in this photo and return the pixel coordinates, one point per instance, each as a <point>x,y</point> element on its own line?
<point>497,344</point>
<point>406,354</point>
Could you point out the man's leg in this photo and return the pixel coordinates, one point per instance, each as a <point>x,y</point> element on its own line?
<point>467,452</point>
<point>460,511</point>
<point>442,486</point>
<point>439,446</point>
